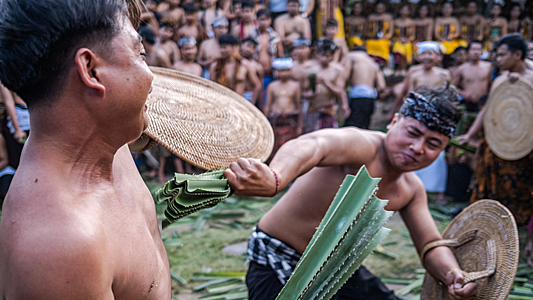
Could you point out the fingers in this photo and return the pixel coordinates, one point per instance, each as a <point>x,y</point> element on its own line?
<point>469,291</point>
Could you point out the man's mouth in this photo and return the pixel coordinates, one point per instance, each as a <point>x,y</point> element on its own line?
<point>409,158</point>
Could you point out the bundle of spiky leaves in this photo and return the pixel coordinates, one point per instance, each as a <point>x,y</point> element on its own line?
<point>185,194</point>
<point>350,230</point>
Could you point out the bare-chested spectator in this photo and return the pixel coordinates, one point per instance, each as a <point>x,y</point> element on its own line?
<point>424,25</point>
<point>174,13</point>
<point>332,27</point>
<point>283,107</point>
<point>207,15</point>
<point>459,57</point>
<point>404,35</point>
<point>426,74</point>
<point>324,90</point>
<point>447,29</point>
<point>292,25</point>
<point>248,51</point>
<point>192,27</point>
<point>379,33</point>
<point>233,11</point>
<point>209,49</point>
<point>473,78</point>
<point>165,42</point>
<point>247,23</point>
<point>496,26</point>
<point>150,16</point>
<point>301,63</point>
<point>93,230</point>
<point>155,56</point>
<point>515,24</point>
<point>472,23</point>
<point>354,26</point>
<point>269,44</point>
<point>367,81</point>
<point>233,71</point>
<point>188,50</point>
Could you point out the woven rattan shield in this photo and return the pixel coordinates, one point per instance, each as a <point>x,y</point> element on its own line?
<point>205,123</point>
<point>484,240</point>
<point>509,118</point>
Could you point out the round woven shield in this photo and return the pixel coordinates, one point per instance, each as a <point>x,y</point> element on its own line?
<point>508,120</point>
<point>204,123</point>
<point>491,224</point>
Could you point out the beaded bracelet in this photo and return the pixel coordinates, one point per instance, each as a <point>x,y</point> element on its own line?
<point>277,181</point>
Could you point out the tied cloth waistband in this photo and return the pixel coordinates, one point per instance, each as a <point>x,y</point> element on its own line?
<point>363,91</point>
<point>268,251</point>
<point>328,110</point>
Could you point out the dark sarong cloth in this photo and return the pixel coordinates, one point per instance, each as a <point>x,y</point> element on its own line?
<point>272,262</point>
<point>285,128</point>
<point>509,182</point>
<point>320,118</point>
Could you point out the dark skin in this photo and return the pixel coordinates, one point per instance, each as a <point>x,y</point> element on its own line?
<point>319,161</point>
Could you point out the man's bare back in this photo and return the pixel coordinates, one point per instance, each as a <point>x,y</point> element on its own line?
<point>361,69</point>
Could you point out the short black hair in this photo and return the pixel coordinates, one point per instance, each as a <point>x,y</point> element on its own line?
<point>227,39</point>
<point>460,48</point>
<point>293,1</point>
<point>249,40</point>
<point>263,12</point>
<point>147,34</point>
<point>474,42</point>
<point>515,42</point>
<point>236,2</point>
<point>443,99</point>
<point>39,40</point>
<point>326,45</point>
<point>331,22</point>
<point>190,7</point>
<point>167,24</point>
<point>247,4</point>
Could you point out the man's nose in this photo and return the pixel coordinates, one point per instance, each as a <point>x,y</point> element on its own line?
<point>418,146</point>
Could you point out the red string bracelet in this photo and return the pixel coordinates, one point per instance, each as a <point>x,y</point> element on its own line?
<point>277,182</point>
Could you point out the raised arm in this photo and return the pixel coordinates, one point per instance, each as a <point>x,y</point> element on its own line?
<point>327,147</point>
<point>307,29</point>
<point>439,262</point>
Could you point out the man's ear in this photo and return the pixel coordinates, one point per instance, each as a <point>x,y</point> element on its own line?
<point>87,65</point>
<point>393,121</point>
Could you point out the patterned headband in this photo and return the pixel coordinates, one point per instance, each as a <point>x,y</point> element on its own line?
<point>416,106</point>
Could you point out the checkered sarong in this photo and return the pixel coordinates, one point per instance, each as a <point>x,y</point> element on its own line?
<point>268,251</point>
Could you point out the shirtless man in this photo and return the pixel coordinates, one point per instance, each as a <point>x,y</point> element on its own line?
<point>292,25</point>
<point>472,23</point>
<point>231,70</point>
<point>207,15</point>
<point>496,178</point>
<point>473,78</point>
<point>318,162</point>
<point>188,52</point>
<point>155,56</point>
<point>210,49</point>
<point>460,55</point>
<point>283,107</point>
<point>332,27</point>
<point>367,81</point>
<point>269,43</point>
<point>247,22</point>
<point>174,13</point>
<point>165,42</point>
<point>426,74</point>
<point>301,64</point>
<point>93,232</point>
<point>248,49</point>
<point>192,27</point>
<point>330,82</point>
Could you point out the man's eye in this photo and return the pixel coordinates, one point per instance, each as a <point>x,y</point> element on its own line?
<point>411,133</point>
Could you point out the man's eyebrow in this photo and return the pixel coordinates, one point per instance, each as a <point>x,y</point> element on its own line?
<point>415,129</point>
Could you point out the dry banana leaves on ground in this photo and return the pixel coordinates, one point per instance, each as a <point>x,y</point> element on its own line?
<point>350,230</point>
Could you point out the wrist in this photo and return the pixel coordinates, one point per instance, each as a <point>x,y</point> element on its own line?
<point>277,181</point>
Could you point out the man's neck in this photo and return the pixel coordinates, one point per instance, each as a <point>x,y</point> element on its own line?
<point>284,80</point>
<point>428,69</point>
<point>262,30</point>
<point>302,60</point>
<point>247,21</point>
<point>293,16</point>
<point>475,61</point>
<point>329,37</point>
<point>519,67</point>
<point>191,23</point>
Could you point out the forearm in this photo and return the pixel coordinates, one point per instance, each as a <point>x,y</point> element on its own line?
<point>439,261</point>
<point>477,126</point>
<point>337,90</point>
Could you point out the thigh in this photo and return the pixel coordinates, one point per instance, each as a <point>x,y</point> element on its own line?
<point>262,282</point>
<point>364,285</point>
